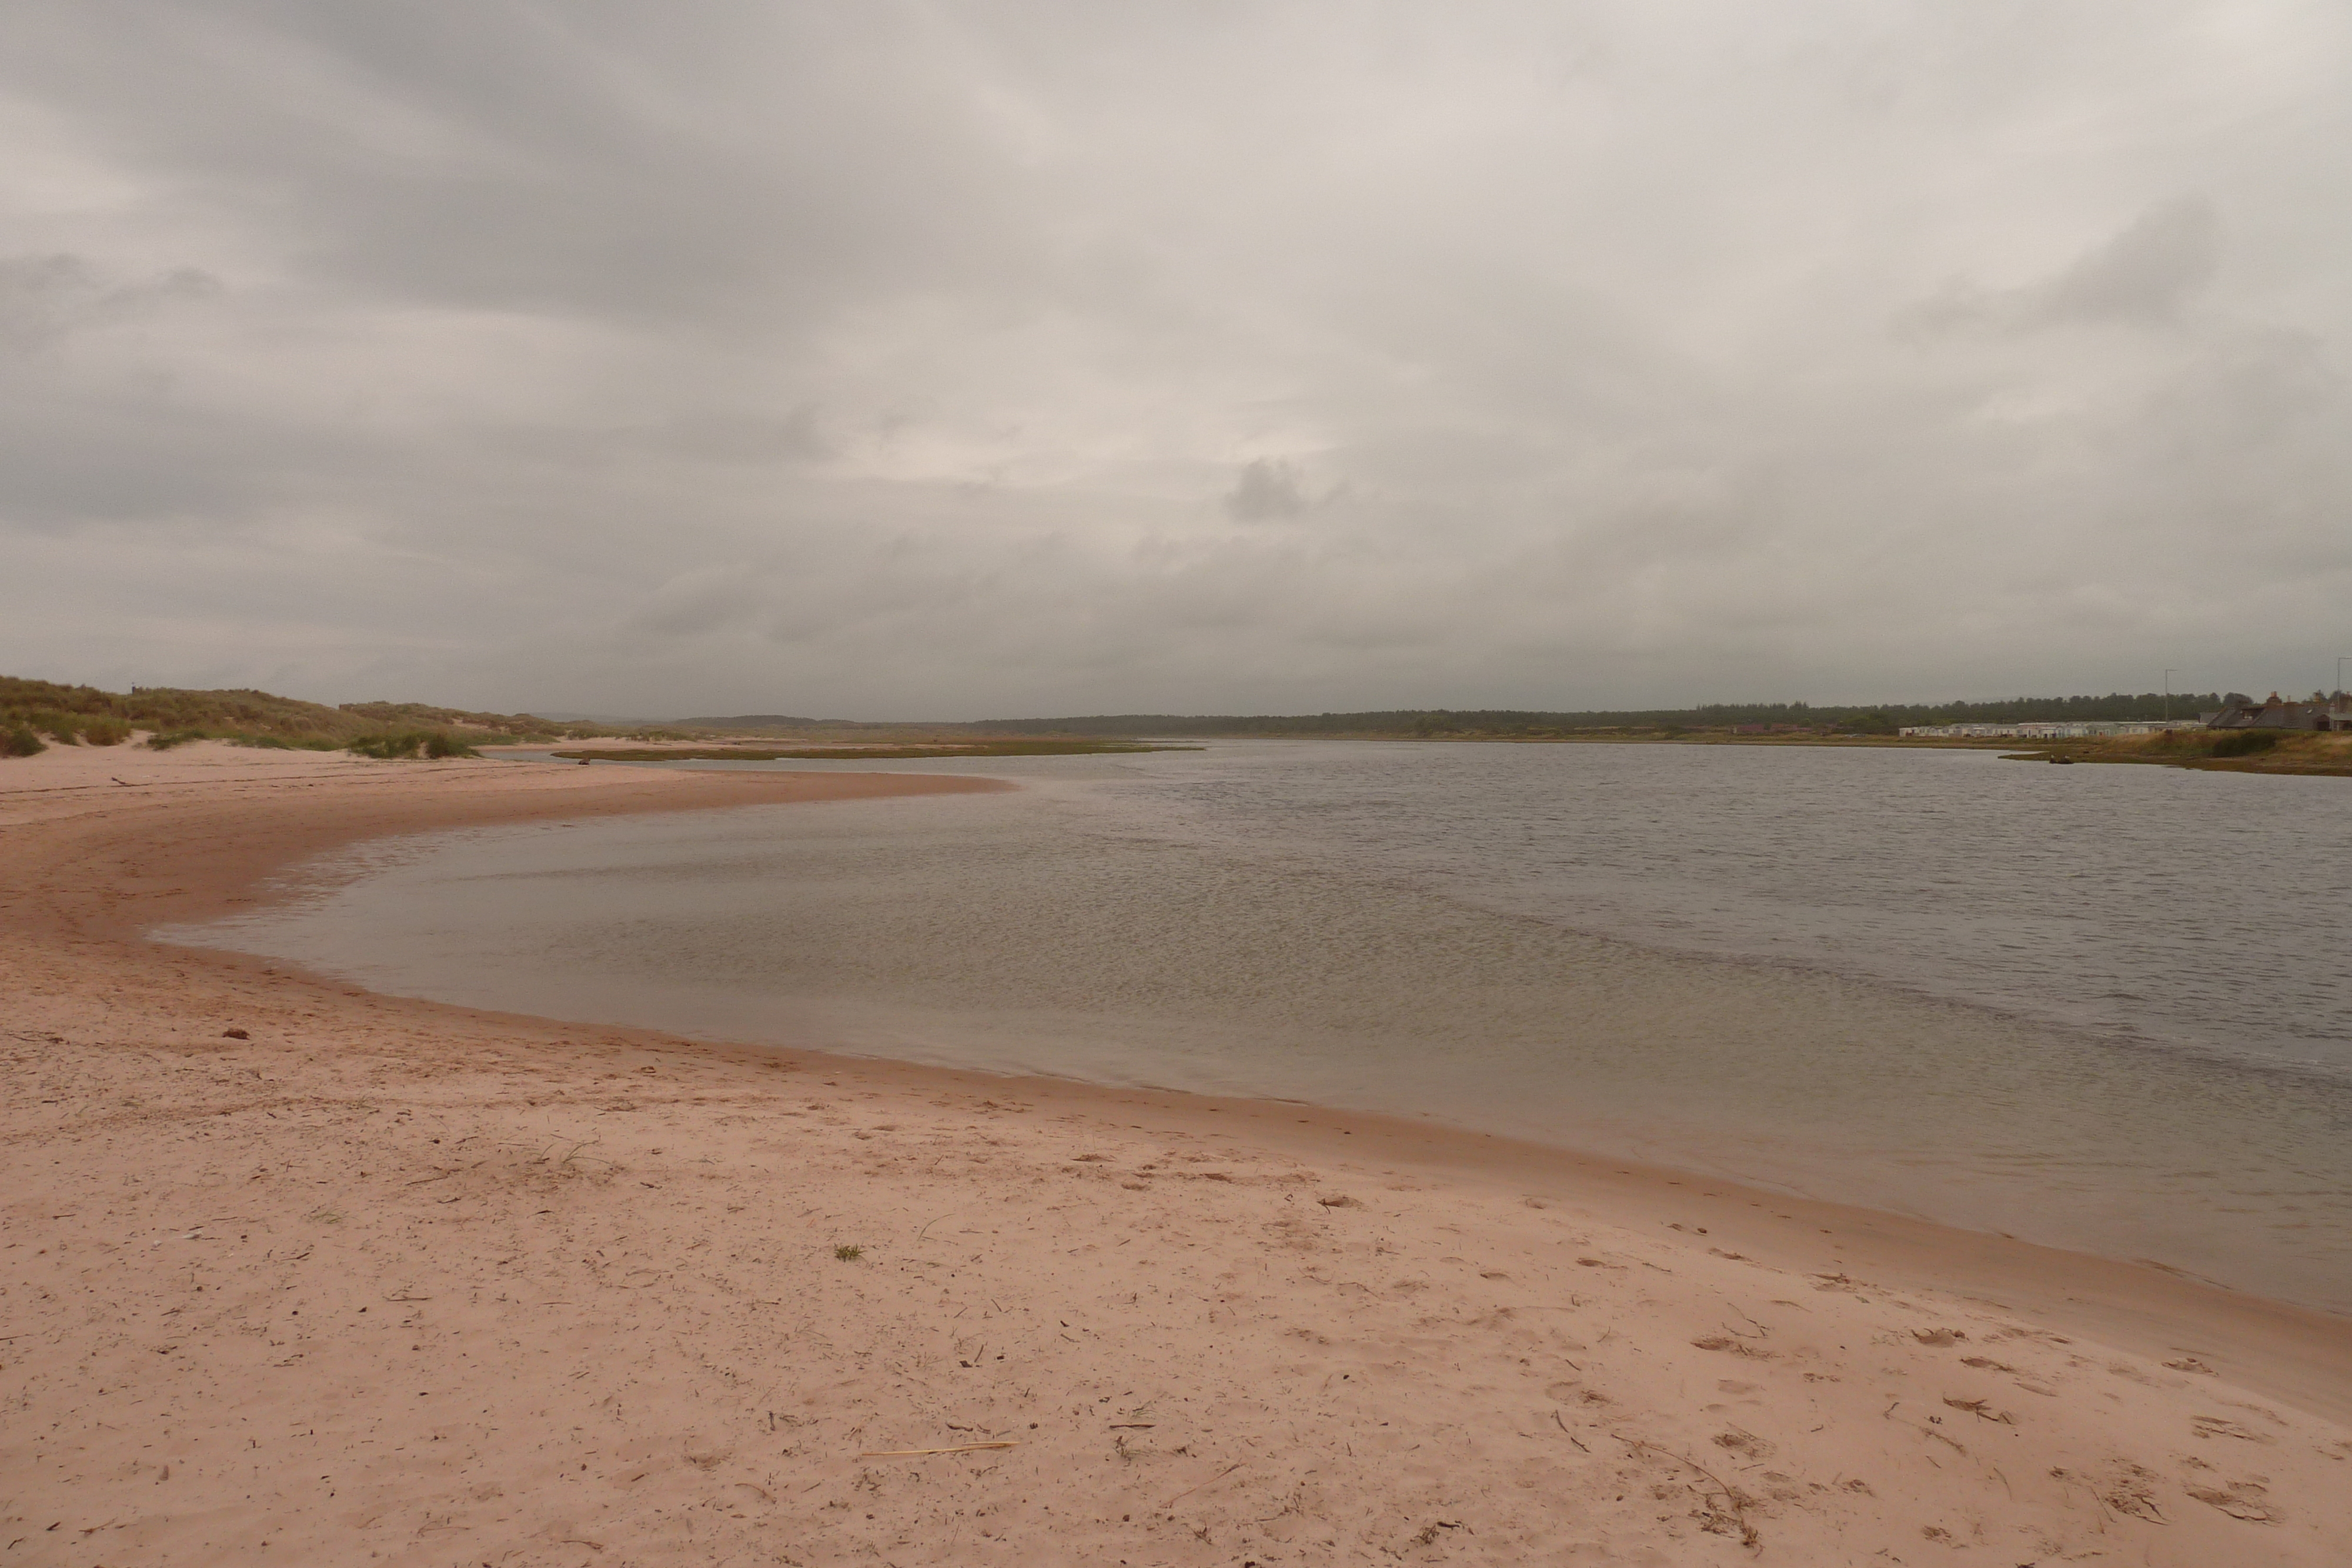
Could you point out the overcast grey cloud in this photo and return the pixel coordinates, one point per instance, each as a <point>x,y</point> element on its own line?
<point>958,359</point>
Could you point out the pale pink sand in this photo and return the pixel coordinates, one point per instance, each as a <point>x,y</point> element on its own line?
<point>392,1283</point>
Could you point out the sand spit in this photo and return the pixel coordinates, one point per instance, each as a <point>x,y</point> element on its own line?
<point>296,1273</point>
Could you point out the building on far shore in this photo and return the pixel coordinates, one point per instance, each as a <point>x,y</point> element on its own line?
<point>2088,729</point>
<point>2325,710</point>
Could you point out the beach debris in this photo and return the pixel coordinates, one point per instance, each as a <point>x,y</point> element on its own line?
<point>2191,1364</point>
<point>1743,1443</point>
<point>1212,1481</point>
<point>921,1453</point>
<point>1730,1518</point>
<point>1735,1345</point>
<point>2237,1503</point>
<point>1337,1200</point>
<point>847,1253</point>
<point>2133,1492</point>
<point>2215,1426</point>
<point>565,1161</point>
<point>1980,1408</point>
<point>235,1034</point>
<point>1938,1336</point>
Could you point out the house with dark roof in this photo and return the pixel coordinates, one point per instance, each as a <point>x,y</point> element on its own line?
<point>2325,710</point>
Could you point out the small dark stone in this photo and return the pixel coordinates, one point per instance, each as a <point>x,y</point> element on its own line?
<point>235,1034</point>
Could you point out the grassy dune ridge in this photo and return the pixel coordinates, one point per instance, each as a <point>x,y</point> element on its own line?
<point>35,714</point>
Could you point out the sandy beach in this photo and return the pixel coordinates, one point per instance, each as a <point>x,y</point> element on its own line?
<point>299,1273</point>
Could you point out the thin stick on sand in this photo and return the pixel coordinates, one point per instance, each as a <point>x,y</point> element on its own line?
<point>916,1453</point>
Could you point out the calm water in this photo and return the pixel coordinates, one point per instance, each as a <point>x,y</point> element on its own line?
<point>2104,1008</point>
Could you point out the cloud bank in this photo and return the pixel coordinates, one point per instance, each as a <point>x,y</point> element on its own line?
<point>906,360</point>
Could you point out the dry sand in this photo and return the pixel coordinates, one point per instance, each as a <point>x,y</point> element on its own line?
<point>384,1282</point>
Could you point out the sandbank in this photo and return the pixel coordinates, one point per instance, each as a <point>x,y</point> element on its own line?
<point>380,1281</point>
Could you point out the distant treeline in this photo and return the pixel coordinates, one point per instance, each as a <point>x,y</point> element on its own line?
<point>1878,718</point>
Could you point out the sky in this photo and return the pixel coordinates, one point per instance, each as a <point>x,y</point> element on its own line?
<point>951,360</point>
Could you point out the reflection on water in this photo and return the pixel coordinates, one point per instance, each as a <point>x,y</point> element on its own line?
<point>2105,1012</point>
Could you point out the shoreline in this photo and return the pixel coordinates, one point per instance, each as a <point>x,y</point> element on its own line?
<point>91,868</point>
<point>2297,759</point>
<point>2303,755</point>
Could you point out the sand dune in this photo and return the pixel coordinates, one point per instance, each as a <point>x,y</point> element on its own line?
<point>373,1280</point>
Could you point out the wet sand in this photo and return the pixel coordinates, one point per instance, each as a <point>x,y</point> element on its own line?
<point>383,1281</point>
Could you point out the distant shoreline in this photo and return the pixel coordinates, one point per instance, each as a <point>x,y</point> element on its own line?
<point>2307,755</point>
<point>2312,755</point>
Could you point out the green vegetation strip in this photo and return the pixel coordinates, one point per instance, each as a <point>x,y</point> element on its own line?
<point>867,753</point>
<point>2311,752</point>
